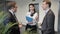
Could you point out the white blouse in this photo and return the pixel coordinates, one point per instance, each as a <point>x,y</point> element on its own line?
<point>34,19</point>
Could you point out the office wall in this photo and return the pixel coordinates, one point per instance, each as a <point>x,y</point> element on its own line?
<point>23,9</point>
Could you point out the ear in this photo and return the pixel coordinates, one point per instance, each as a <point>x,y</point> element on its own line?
<point>47,5</point>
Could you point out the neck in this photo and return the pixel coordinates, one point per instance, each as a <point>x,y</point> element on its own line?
<point>32,11</point>
<point>12,10</point>
<point>46,9</point>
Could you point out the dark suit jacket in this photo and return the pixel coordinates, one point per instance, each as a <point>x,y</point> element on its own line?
<point>12,18</point>
<point>48,23</point>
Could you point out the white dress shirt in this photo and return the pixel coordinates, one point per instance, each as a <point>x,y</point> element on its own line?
<point>11,11</point>
<point>46,11</point>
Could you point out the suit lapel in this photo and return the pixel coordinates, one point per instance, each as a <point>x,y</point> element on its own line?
<point>46,15</point>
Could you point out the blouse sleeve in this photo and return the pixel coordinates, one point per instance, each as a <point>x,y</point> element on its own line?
<point>35,15</point>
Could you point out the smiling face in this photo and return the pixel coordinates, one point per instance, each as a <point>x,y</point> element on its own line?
<point>12,6</point>
<point>15,8</point>
<point>44,6</point>
<point>31,8</point>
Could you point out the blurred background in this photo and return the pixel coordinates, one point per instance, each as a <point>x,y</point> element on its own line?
<point>23,7</point>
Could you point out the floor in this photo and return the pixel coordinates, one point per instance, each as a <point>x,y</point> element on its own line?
<point>22,30</point>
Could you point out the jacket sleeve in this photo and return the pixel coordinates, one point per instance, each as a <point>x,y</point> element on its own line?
<point>50,23</point>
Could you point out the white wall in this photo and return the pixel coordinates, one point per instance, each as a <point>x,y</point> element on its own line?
<point>23,9</point>
<point>55,8</point>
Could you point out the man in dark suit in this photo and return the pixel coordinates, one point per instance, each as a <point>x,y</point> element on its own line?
<point>12,8</point>
<point>48,21</point>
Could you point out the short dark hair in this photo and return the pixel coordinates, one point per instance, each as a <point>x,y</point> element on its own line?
<point>31,4</point>
<point>48,2</point>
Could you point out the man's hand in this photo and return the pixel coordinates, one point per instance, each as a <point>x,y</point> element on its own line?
<point>39,24</point>
<point>20,25</point>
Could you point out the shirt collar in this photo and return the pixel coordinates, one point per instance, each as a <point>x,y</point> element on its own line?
<point>11,11</point>
<point>46,10</point>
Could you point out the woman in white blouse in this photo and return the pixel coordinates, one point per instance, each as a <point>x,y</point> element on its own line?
<point>32,14</point>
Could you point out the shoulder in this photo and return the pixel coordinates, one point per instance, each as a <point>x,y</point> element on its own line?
<point>28,13</point>
<point>51,13</point>
<point>36,13</point>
